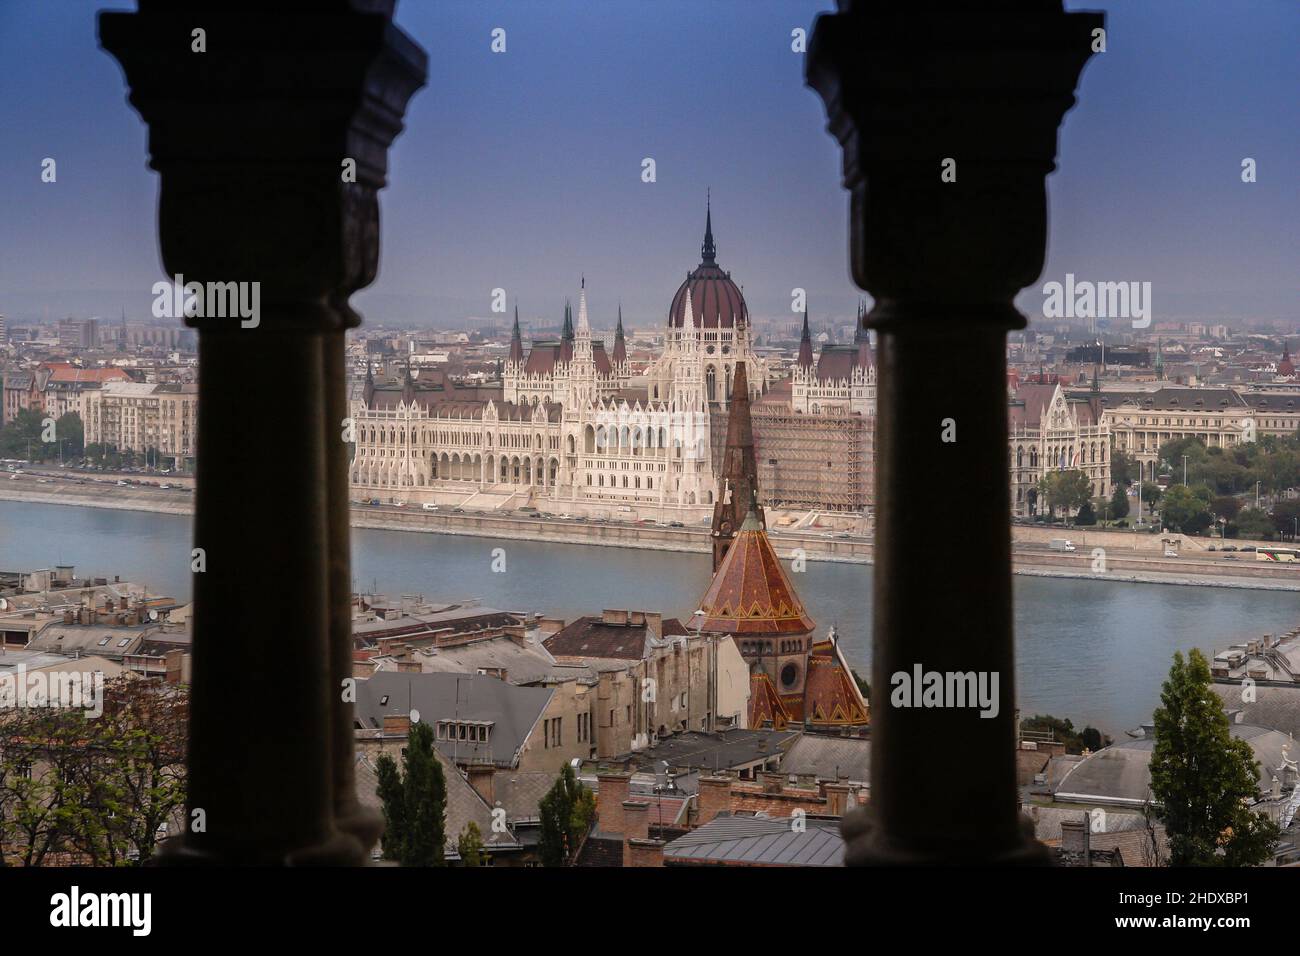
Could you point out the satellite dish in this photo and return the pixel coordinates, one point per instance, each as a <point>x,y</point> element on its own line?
<point>575,763</point>
<point>415,716</point>
<point>153,615</point>
<point>4,605</point>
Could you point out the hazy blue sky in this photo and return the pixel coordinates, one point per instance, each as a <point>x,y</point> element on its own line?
<point>522,170</point>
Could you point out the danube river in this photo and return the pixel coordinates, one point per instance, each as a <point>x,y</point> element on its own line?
<point>1093,651</point>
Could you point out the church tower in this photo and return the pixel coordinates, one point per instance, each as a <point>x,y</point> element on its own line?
<point>738,481</point>
<point>582,370</point>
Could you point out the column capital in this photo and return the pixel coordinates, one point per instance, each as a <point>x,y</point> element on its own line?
<point>251,134</point>
<point>982,84</point>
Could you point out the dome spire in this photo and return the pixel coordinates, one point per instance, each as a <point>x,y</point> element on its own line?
<point>707,250</point>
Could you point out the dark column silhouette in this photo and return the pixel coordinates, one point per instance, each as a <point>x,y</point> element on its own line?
<point>908,85</point>
<point>252,140</point>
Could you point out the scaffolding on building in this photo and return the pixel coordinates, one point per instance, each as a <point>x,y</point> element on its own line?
<point>821,461</point>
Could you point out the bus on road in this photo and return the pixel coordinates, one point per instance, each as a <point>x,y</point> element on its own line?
<point>1281,555</point>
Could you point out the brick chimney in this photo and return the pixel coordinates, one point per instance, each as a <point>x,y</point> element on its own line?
<point>516,633</point>
<point>837,798</point>
<point>609,801</point>
<point>1075,836</point>
<point>397,725</point>
<point>714,798</point>
<point>772,781</point>
<point>482,778</point>
<point>408,667</point>
<point>636,825</point>
<point>176,666</point>
<point>644,853</point>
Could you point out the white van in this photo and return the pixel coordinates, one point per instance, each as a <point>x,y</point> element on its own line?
<point>428,507</point>
<point>1062,544</point>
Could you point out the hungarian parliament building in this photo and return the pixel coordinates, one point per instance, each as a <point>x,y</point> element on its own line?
<point>570,428</point>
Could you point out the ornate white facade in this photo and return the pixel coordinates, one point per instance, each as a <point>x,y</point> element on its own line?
<point>566,431</point>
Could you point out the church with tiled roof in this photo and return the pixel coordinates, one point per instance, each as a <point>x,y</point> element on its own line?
<point>794,678</point>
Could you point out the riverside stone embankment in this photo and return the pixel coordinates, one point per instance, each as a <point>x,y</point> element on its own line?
<point>1124,556</point>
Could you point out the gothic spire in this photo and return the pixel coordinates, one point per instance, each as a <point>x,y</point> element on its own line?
<point>738,495</point>
<point>620,344</point>
<point>860,330</point>
<point>805,343</point>
<point>567,334</point>
<point>707,250</point>
<point>516,339</point>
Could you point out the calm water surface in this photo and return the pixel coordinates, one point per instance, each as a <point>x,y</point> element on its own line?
<point>1093,651</point>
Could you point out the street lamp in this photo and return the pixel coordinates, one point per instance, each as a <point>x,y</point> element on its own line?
<point>1184,471</point>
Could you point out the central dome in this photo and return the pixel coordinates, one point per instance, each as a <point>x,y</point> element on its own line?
<point>716,302</point>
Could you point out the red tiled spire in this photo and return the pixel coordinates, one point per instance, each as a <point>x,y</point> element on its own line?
<point>750,593</point>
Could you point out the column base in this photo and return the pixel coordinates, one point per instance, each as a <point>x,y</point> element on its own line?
<point>341,849</point>
<point>868,845</point>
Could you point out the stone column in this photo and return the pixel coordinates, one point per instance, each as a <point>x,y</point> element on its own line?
<point>271,145</point>
<point>986,86</point>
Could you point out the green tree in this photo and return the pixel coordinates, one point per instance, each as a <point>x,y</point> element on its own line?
<point>21,438</point>
<point>1123,468</point>
<point>1086,515</point>
<point>1187,510</point>
<point>469,845</point>
<point>1119,504</point>
<point>1254,524</point>
<point>1068,490</point>
<point>1286,518</point>
<point>70,434</point>
<point>415,807</point>
<point>566,812</point>
<point>1150,496</point>
<point>390,795</point>
<point>1203,778</point>
<point>1225,507</point>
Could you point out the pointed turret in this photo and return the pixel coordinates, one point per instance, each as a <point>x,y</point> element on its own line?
<point>862,339</point>
<point>707,250</point>
<point>738,485</point>
<point>368,392</point>
<point>584,326</point>
<point>1286,368</point>
<point>566,336</point>
<point>1160,362</point>
<point>805,344</point>
<point>408,386</point>
<point>516,341</point>
<point>620,344</point>
<point>688,323</point>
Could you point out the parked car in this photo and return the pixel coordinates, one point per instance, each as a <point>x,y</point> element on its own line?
<point>1230,547</point>
<point>1250,549</point>
<point>429,507</point>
